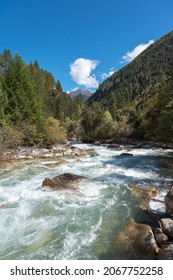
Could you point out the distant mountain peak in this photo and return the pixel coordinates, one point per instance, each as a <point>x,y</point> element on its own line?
<point>85,94</point>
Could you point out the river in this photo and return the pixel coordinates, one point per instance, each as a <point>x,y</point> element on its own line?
<point>38,223</point>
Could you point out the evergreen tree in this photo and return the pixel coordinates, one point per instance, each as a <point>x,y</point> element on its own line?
<point>3,104</point>
<point>5,60</point>
<point>92,120</point>
<point>23,105</point>
<point>44,84</point>
<point>59,87</point>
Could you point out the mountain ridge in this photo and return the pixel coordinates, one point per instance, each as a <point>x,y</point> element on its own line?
<point>134,79</point>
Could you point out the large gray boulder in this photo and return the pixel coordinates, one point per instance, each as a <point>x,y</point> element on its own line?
<point>160,237</point>
<point>169,201</point>
<point>167,226</point>
<point>166,252</point>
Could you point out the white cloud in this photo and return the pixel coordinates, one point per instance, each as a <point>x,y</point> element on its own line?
<point>107,75</point>
<point>130,55</point>
<point>80,72</point>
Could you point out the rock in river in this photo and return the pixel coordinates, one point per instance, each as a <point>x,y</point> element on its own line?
<point>145,191</point>
<point>161,238</point>
<point>166,252</point>
<point>138,237</point>
<point>167,226</point>
<point>169,201</point>
<point>63,181</point>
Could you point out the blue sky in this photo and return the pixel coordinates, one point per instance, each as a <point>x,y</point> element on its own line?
<point>82,42</point>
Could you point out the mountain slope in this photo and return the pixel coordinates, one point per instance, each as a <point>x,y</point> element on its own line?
<point>138,77</point>
<point>85,94</point>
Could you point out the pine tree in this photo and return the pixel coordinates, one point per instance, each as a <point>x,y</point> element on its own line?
<point>59,87</point>
<point>23,105</point>
<point>3,104</point>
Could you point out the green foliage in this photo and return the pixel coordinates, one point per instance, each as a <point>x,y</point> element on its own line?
<point>73,128</point>
<point>59,87</point>
<point>3,104</point>
<point>107,118</point>
<point>45,89</point>
<point>97,124</point>
<point>55,131</point>
<point>66,107</point>
<point>91,120</point>
<point>21,115</point>
<point>22,100</point>
<point>30,100</point>
<point>134,80</point>
<point>164,130</point>
<point>5,60</point>
<point>139,96</point>
<point>10,137</point>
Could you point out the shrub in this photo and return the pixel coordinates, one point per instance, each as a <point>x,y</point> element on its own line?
<point>55,132</point>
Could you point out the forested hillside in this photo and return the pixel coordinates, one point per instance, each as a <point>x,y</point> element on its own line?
<point>139,76</point>
<point>139,96</point>
<point>33,107</point>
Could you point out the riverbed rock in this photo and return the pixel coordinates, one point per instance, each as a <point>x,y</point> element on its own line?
<point>167,226</point>
<point>63,181</point>
<point>57,150</point>
<point>2,205</point>
<point>138,237</point>
<point>55,164</point>
<point>166,252</point>
<point>97,143</point>
<point>144,191</point>
<point>116,146</point>
<point>160,237</point>
<point>91,151</point>
<point>51,183</point>
<point>169,201</point>
<point>68,177</point>
<point>126,155</point>
<point>78,152</point>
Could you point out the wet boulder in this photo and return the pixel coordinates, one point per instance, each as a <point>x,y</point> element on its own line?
<point>138,238</point>
<point>55,164</point>
<point>53,184</point>
<point>2,205</point>
<point>166,252</point>
<point>63,181</point>
<point>78,152</point>
<point>91,152</point>
<point>97,143</point>
<point>160,237</point>
<point>169,201</point>
<point>68,177</point>
<point>167,226</point>
<point>144,191</point>
<point>126,155</point>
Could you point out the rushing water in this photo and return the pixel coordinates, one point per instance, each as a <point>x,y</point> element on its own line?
<point>38,223</point>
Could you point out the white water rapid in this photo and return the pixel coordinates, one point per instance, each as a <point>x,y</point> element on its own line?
<point>38,223</point>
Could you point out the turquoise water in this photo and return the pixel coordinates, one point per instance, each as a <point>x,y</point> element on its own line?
<point>38,223</point>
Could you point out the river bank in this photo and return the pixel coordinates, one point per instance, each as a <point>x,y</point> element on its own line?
<point>35,152</point>
<point>69,150</point>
